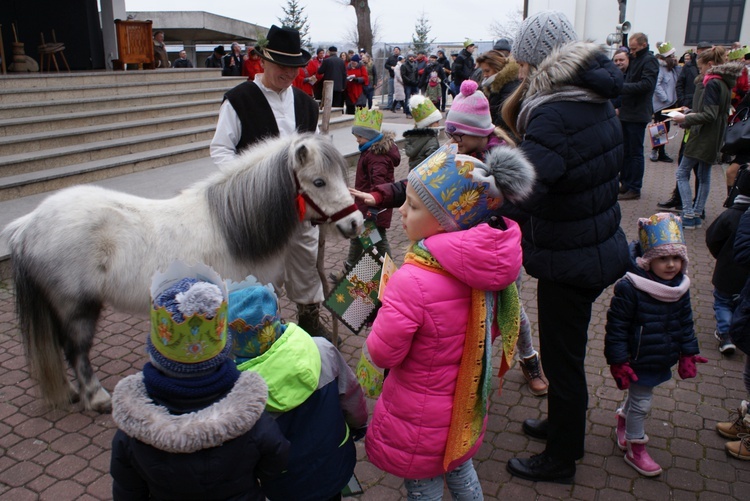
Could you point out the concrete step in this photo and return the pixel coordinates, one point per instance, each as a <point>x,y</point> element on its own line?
<point>32,183</point>
<point>38,80</point>
<point>45,106</point>
<point>50,158</point>
<point>27,125</point>
<point>39,94</point>
<point>36,141</point>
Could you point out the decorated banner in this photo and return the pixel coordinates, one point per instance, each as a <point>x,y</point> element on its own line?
<point>389,268</point>
<point>370,234</point>
<point>354,300</point>
<point>369,375</point>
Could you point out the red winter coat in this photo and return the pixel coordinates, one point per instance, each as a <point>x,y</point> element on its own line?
<point>354,87</point>
<point>251,67</point>
<point>375,166</point>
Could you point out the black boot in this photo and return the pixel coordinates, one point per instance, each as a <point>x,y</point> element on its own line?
<point>543,468</point>
<point>308,316</point>
<point>674,203</point>
<point>663,157</point>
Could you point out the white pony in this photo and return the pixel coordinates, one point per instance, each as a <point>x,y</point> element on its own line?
<point>87,246</point>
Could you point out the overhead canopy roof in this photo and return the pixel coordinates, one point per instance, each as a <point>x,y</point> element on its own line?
<point>201,27</point>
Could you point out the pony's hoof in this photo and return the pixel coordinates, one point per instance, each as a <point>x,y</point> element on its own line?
<point>101,402</point>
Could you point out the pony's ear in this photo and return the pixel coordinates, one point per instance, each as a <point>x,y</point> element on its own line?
<point>301,154</point>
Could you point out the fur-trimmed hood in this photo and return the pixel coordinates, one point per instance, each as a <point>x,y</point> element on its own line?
<point>384,145</point>
<point>508,74</point>
<point>729,72</point>
<point>234,415</point>
<point>578,64</point>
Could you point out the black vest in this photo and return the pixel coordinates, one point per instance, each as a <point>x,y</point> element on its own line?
<point>257,118</point>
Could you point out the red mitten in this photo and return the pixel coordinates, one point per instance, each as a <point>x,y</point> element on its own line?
<point>686,368</point>
<point>623,375</point>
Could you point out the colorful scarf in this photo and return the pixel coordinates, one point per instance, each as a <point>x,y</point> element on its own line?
<point>474,381</point>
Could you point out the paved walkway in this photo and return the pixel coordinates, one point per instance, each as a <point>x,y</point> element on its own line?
<point>64,455</point>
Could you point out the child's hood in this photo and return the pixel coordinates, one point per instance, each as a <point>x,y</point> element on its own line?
<point>385,147</point>
<point>482,257</point>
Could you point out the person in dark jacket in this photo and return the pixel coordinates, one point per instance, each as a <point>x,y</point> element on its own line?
<point>738,430</point>
<point>182,61</point>
<point>232,64</point>
<point>443,61</point>
<point>410,76</point>
<point>729,277</point>
<point>215,59</point>
<point>572,240</point>
<point>334,68</point>
<point>500,80</point>
<point>635,113</point>
<point>313,395</point>
<point>463,66</point>
<point>190,425</point>
<point>391,63</point>
<point>650,329</point>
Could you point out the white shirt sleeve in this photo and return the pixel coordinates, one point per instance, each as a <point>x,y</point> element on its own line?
<point>227,135</point>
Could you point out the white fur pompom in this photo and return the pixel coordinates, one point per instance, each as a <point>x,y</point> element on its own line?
<point>203,298</point>
<point>512,171</point>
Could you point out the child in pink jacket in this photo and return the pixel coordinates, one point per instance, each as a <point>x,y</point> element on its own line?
<point>441,311</point>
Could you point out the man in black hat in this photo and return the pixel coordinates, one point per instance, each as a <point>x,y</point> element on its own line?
<point>214,60</point>
<point>270,107</point>
<point>334,68</point>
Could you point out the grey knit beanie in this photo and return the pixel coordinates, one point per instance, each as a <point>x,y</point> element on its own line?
<point>540,34</point>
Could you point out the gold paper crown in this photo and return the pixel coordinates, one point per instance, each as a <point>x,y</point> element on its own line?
<point>423,110</point>
<point>666,49</point>
<point>371,119</point>
<point>737,54</point>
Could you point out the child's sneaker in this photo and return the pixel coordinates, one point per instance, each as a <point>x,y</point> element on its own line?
<point>733,429</point>
<point>726,346</point>
<point>739,449</point>
<point>532,371</point>
<point>691,223</point>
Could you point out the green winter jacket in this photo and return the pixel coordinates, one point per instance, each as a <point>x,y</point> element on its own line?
<point>708,120</point>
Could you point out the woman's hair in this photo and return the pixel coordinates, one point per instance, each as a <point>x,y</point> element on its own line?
<point>494,59</point>
<point>512,106</point>
<point>716,54</point>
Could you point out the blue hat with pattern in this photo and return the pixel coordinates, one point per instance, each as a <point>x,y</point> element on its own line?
<point>661,235</point>
<point>254,321</point>
<point>462,191</point>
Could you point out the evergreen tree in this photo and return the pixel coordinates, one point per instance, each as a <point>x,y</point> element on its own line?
<point>420,40</point>
<point>294,17</point>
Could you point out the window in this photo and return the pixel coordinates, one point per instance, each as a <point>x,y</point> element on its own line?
<point>715,21</point>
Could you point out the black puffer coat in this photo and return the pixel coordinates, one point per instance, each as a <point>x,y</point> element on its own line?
<point>638,89</point>
<point>740,328</point>
<point>573,233</point>
<point>648,333</point>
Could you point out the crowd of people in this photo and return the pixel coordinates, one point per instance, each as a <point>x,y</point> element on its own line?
<point>546,137</point>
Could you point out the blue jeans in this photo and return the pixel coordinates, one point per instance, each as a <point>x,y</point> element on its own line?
<point>633,164</point>
<point>724,307</point>
<point>636,409</point>
<point>462,481</point>
<point>683,184</point>
<point>390,92</point>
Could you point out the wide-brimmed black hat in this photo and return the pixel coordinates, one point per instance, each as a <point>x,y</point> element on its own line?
<point>284,47</point>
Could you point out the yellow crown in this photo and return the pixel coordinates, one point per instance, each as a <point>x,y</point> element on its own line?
<point>371,119</point>
<point>737,54</point>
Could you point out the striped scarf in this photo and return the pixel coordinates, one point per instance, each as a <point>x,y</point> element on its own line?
<point>474,382</point>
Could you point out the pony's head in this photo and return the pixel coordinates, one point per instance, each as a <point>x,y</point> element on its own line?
<point>320,177</point>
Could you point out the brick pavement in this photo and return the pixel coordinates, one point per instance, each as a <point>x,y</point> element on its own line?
<point>61,455</point>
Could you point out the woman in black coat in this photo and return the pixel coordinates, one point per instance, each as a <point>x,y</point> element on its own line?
<point>572,240</point>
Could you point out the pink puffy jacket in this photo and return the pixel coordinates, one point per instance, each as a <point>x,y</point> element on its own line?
<point>419,334</point>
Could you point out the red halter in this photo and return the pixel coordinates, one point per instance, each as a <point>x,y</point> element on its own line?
<point>303,197</point>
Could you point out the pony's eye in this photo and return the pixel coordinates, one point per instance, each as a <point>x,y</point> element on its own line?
<point>319,183</point>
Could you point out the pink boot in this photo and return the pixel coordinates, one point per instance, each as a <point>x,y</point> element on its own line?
<point>620,430</point>
<point>638,458</point>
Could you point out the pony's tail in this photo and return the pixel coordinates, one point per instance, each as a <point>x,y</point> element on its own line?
<point>40,331</point>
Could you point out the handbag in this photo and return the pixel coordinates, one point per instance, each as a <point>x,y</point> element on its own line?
<point>737,135</point>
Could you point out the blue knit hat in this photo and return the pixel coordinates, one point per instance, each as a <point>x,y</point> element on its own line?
<point>188,335</point>
<point>254,321</point>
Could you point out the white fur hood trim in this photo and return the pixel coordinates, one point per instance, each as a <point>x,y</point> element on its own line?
<point>233,416</point>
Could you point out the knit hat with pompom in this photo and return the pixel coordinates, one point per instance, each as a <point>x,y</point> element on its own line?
<point>470,112</point>
<point>540,34</point>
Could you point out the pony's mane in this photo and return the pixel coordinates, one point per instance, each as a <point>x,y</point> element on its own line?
<point>252,200</point>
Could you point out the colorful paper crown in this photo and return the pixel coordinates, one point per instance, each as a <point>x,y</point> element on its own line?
<point>468,43</point>
<point>369,119</point>
<point>737,54</point>
<point>254,319</point>
<point>660,229</point>
<point>188,320</point>
<point>457,189</point>
<point>424,111</point>
<point>666,49</point>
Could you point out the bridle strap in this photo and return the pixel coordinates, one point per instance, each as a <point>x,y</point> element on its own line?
<point>326,218</point>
